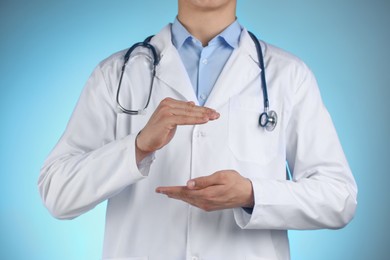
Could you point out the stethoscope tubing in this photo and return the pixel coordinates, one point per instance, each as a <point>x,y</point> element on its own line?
<point>267,119</point>
<point>260,57</point>
<point>147,45</point>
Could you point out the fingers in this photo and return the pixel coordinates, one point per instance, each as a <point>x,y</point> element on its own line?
<point>208,199</point>
<point>185,113</point>
<point>198,198</point>
<point>170,189</point>
<point>180,192</point>
<point>216,178</point>
<point>221,190</point>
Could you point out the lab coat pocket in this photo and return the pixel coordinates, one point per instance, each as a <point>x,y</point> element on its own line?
<point>248,141</point>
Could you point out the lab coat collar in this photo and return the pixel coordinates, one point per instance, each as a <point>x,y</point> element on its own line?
<point>170,69</point>
<point>240,70</point>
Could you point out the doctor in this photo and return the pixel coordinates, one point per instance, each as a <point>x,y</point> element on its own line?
<point>199,143</point>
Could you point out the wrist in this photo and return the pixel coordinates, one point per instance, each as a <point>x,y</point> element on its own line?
<point>139,151</point>
<point>250,200</point>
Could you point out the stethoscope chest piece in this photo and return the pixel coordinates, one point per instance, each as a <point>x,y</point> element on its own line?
<point>268,120</point>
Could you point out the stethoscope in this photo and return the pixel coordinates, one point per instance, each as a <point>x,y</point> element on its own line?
<point>268,119</point>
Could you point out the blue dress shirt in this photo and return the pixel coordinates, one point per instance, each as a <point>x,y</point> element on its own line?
<point>205,64</point>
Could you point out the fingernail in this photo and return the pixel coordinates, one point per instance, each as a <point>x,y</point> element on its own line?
<point>191,184</point>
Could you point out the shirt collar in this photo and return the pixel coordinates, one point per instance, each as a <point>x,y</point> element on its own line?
<point>231,35</point>
<point>179,34</point>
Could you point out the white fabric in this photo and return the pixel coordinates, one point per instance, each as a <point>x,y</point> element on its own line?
<point>95,161</point>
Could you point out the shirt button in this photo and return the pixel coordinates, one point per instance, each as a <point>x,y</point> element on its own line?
<point>203,96</point>
<point>204,61</point>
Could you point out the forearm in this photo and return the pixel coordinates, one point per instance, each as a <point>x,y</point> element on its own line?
<point>71,184</point>
<point>311,203</point>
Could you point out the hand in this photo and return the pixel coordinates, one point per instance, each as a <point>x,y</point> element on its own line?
<point>162,125</point>
<point>221,190</point>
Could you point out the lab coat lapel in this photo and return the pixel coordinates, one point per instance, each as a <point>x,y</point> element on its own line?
<point>170,69</point>
<point>240,70</point>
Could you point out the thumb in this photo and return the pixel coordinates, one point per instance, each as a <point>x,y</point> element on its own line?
<point>202,182</point>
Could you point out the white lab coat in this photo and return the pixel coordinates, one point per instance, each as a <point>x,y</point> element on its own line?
<point>94,161</point>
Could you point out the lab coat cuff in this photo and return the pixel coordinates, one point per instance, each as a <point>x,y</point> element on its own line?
<point>268,198</point>
<point>144,165</point>
<point>244,217</point>
<point>142,168</point>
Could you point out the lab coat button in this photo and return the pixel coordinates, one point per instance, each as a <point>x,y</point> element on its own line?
<point>194,258</point>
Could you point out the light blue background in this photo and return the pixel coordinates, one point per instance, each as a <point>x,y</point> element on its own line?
<point>49,48</point>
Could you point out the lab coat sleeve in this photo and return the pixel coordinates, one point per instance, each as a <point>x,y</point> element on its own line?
<point>323,192</point>
<point>88,165</point>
